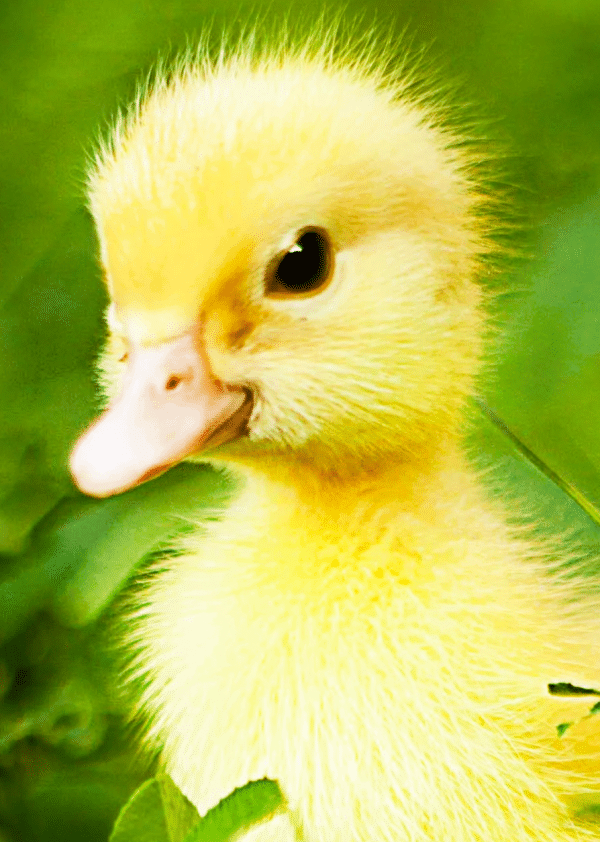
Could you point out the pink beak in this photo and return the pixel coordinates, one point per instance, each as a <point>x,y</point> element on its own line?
<point>171,406</point>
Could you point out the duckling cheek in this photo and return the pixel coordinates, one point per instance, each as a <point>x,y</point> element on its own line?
<point>171,406</point>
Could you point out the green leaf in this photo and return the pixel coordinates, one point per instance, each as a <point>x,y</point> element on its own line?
<point>142,818</point>
<point>180,814</point>
<point>574,493</point>
<point>564,688</point>
<point>156,812</point>
<point>245,806</point>
<point>564,726</point>
<point>159,812</point>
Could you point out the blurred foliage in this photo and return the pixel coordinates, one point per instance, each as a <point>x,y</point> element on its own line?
<point>65,65</point>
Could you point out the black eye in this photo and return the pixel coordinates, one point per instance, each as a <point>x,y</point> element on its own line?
<point>303,269</point>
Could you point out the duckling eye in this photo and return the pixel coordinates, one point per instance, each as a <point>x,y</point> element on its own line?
<point>304,269</point>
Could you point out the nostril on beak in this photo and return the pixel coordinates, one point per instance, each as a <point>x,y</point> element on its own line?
<point>178,378</point>
<point>173,382</point>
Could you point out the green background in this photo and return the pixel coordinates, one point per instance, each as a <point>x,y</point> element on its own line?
<point>530,68</point>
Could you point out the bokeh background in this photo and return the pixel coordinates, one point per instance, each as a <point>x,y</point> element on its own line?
<point>530,68</point>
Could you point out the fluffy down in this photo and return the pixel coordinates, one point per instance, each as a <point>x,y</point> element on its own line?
<point>361,624</point>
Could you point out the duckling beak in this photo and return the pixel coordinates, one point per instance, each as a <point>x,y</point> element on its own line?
<point>171,406</point>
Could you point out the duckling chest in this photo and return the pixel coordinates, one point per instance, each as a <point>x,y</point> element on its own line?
<point>277,593</point>
<point>254,633</point>
<point>253,588</point>
<point>256,637</point>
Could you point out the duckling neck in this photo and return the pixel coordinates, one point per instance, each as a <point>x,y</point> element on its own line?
<point>435,487</point>
<point>305,536</point>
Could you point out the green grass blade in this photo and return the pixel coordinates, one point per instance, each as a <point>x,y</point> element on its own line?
<point>574,493</point>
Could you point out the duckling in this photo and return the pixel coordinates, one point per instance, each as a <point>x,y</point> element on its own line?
<point>291,243</point>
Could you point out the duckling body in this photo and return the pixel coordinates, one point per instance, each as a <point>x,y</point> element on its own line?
<point>361,624</point>
<point>391,674</point>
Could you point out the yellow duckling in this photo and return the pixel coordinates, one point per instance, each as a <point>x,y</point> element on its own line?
<point>291,245</point>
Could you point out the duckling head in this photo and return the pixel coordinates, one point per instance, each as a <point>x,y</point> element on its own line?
<point>290,244</point>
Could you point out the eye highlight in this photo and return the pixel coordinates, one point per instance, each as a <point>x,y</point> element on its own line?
<point>304,269</point>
